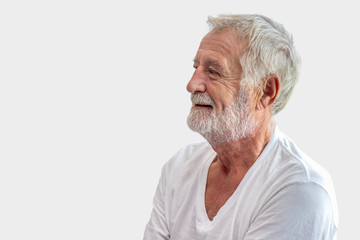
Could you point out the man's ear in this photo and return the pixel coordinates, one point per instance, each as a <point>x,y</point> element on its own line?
<point>270,91</point>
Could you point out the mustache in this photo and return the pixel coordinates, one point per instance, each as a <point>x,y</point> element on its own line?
<point>202,99</point>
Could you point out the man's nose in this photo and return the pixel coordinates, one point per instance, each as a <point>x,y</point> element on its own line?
<point>197,82</point>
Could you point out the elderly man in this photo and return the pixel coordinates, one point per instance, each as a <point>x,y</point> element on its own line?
<point>249,180</point>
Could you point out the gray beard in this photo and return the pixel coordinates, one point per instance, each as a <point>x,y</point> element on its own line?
<point>235,122</point>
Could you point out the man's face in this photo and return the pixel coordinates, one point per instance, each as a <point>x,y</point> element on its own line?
<point>221,109</point>
<point>217,68</point>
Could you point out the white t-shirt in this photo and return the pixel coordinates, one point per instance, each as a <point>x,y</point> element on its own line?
<point>284,196</point>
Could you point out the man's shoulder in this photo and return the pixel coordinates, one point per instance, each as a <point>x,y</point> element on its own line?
<point>190,156</point>
<point>289,168</point>
<point>192,149</point>
<point>311,170</point>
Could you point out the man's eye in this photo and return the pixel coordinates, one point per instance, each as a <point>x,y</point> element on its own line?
<point>195,67</point>
<point>213,72</point>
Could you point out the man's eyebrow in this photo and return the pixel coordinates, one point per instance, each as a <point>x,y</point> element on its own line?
<point>210,62</point>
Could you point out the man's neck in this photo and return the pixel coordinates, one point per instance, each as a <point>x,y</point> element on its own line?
<point>241,155</point>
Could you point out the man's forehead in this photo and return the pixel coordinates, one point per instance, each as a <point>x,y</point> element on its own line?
<point>218,45</point>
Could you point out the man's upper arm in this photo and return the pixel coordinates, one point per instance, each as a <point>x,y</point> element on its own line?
<point>157,229</point>
<point>299,211</point>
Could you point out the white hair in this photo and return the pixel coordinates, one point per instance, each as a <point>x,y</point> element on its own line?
<point>270,50</point>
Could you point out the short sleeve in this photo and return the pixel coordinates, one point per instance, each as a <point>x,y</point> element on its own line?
<point>298,211</point>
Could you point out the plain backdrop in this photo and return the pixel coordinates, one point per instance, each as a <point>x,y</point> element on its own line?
<point>93,103</point>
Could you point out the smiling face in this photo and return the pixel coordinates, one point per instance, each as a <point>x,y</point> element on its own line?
<point>221,110</point>
<point>217,68</point>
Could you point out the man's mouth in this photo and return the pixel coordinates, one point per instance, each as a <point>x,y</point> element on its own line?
<point>203,105</point>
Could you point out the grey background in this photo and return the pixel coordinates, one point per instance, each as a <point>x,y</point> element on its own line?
<point>93,103</point>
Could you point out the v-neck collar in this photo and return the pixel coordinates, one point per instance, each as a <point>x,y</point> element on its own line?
<point>201,214</point>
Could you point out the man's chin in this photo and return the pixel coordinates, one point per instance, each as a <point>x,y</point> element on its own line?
<point>194,126</point>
